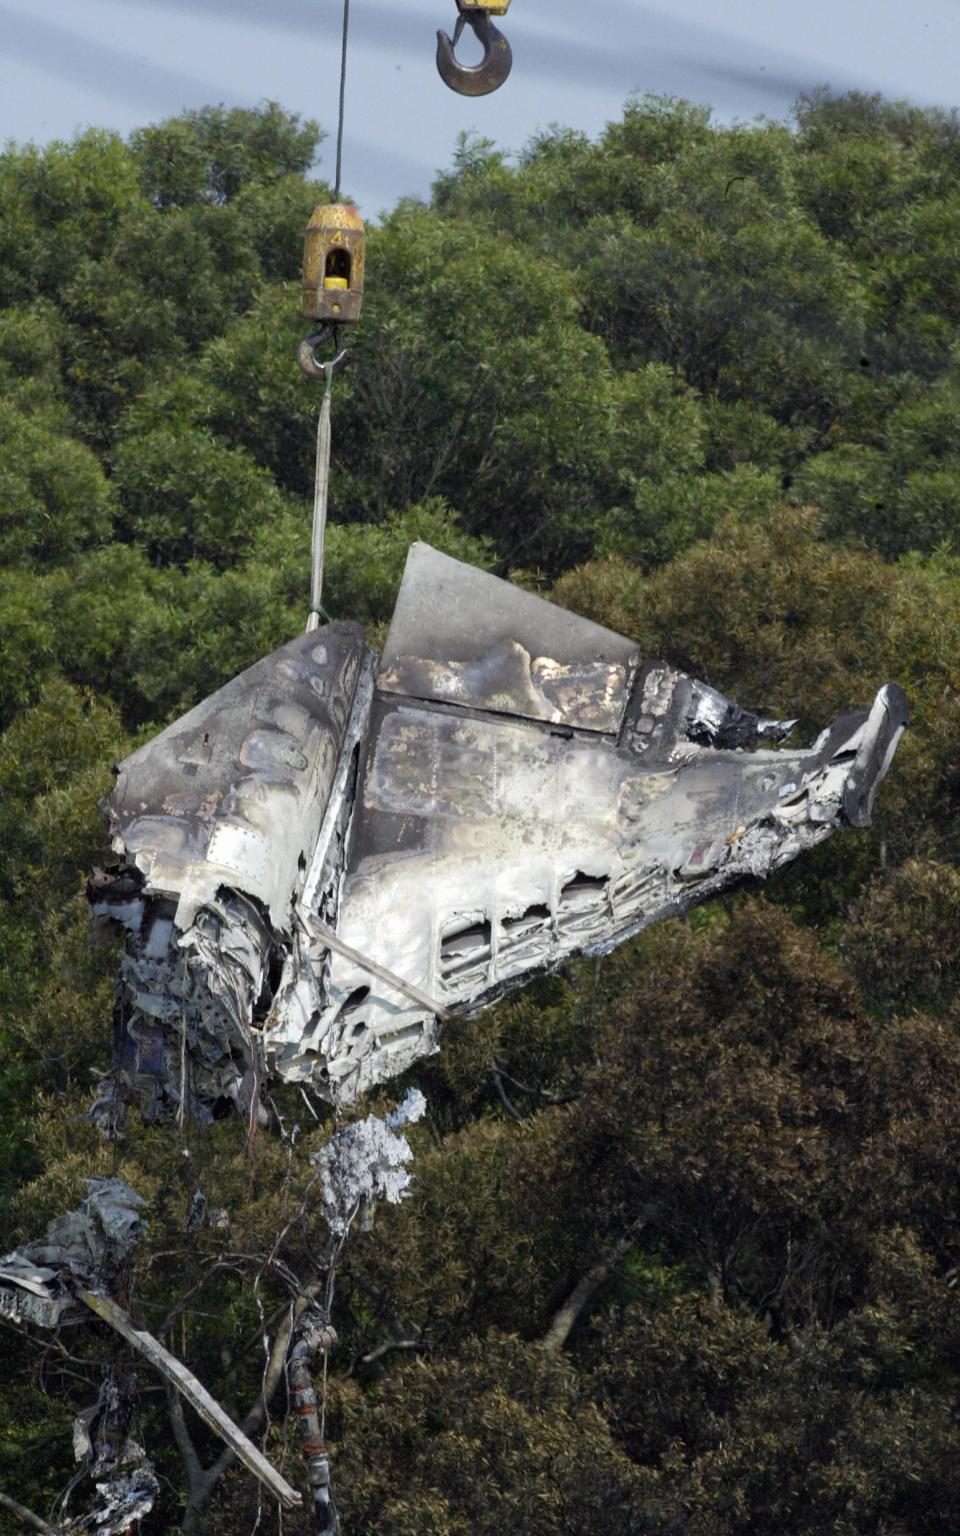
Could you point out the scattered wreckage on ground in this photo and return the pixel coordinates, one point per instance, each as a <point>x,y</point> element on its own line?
<point>75,1272</point>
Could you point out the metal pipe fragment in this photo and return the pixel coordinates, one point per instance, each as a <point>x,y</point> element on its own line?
<point>314,1336</point>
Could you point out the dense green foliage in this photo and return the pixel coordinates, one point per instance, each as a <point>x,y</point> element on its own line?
<point>702,385</point>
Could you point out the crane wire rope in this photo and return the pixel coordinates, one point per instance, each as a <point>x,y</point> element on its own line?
<point>321,486</point>
<point>321,481</point>
<point>316,613</point>
<point>343,92</point>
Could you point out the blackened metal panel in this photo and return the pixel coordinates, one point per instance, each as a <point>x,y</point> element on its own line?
<point>233,794</point>
<point>485,850</point>
<point>462,636</point>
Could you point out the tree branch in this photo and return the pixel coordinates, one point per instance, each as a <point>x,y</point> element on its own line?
<point>386,1348</point>
<point>510,1108</point>
<point>396,1324</point>
<point>534,1092</point>
<point>183,1438</point>
<point>202,1491</point>
<point>27,1516</point>
<point>565,1318</point>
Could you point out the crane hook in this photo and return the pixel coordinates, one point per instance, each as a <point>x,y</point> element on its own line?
<point>307,354</point>
<point>474,79</point>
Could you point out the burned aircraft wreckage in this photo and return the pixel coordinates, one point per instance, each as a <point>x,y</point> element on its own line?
<point>330,856</point>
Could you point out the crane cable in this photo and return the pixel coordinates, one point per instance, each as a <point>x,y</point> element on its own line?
<point>321,481</point>
<point>321,485</point>
<point>343,89</point>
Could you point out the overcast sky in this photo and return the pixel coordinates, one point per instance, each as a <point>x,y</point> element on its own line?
<point>122,63</point>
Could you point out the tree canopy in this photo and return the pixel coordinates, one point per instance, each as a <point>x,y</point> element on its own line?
<point>701,384</point>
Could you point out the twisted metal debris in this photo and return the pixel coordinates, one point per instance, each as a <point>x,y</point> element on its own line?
<point>327,857</point>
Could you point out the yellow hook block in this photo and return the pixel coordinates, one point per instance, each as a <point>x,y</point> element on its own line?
<point>333,261</point>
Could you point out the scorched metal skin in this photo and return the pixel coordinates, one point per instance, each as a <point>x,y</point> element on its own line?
<point>323,859</point>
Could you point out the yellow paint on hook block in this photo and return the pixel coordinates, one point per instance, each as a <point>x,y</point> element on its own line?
<point>333,262</point>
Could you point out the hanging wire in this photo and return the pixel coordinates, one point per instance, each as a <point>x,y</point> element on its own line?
<point>322,473</point>
<point>343,90</point>
<point>321,486</point>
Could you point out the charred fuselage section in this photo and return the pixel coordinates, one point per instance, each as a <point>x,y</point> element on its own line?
<point>214,827</point>
<point>316,865</point>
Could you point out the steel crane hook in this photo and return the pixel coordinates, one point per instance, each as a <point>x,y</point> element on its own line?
<point>474,79</point>
<point>307,354</point>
